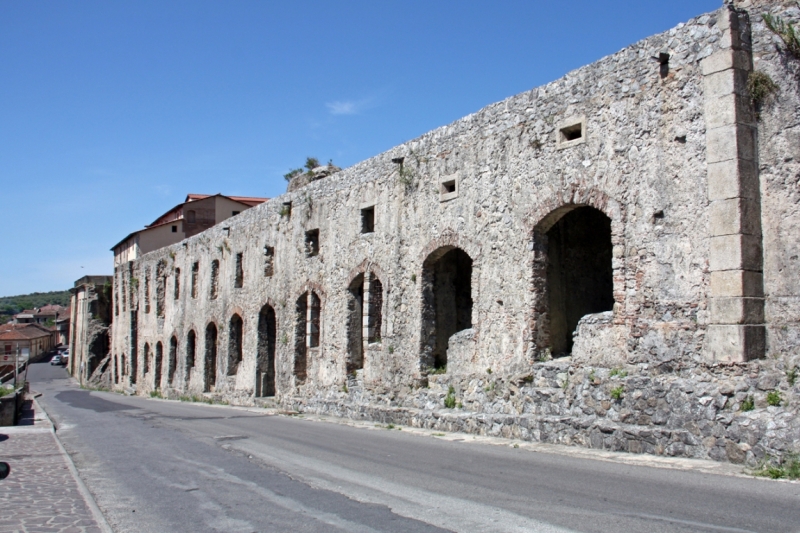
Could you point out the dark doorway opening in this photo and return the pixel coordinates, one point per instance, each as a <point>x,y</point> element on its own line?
<point>234,345</point>
<point>265,364</point>
<point>211,358</point>
<point>579,274</point>
<point>157,365</point>
<point>300,344</point>
<point>446,302</point>
<point>173,360</point>
<point>191,347</point>
<point>355,324</point>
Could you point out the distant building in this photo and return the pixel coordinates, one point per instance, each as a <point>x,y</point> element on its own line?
<point>41,315</point>
<point>55,317</point>
<point>29,339</point>
<point>197,213</point>
<point>91,317</point>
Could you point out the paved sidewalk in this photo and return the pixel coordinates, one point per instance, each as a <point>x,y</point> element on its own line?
<point>41,495</point>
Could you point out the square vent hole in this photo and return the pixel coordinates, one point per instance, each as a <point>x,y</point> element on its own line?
<point>448,187</point>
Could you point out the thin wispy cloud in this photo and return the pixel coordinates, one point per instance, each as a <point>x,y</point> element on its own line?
<point>344,108</point>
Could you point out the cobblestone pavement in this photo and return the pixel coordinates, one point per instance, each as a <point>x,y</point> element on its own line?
<point>41,495</point>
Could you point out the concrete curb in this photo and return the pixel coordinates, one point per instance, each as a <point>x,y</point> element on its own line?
<point>82,488</point>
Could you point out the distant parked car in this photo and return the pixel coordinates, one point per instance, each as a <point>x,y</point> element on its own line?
<point>56,360</point>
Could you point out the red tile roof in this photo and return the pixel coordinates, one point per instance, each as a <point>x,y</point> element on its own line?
<point>25,333</point>
<point>176,213</point>
<point>248,200</point>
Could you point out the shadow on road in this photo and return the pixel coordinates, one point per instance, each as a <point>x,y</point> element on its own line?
<point>81,399</point>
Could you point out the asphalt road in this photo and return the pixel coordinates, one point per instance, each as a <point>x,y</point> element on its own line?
<point>160,466</point>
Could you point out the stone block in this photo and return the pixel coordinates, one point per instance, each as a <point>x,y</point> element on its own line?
<point>737,141</point>
<point>724,19</point>
<point>735,252</point>
<point>735,215</point>
<point>730,39</point>
<point>731,81</point>
<point>732,179</point>
<point>737,310</point>
<point>737,283</point>
<point>728,109</point>
<point>734,343</point>
<point>725,59</point>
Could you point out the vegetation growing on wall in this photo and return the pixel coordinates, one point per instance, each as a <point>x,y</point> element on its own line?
<point>787,33</point>
<point>761,88</point>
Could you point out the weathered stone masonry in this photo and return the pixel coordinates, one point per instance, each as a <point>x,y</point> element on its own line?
<point>608,260</point>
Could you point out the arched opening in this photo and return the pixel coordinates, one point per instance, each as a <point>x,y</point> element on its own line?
<point>191,348</point>
<point>157,365</point>
<point>173,360</point>
<point>122,368</point>
<point>300,344</point>
<point>355,324</point>
<point>364,310</point>
<point>579,274</point>
<point>161,287</point>
<point>210,380</point>
<point>234,344</point>
<point>146,367</point>
<point>314,316</point>
<point>265,361</point>
<point>134,346</point>
<point>446,302</point>
<point>214,279</point>
<point>374,309</point>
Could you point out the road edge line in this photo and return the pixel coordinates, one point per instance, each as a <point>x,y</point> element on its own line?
<point>98,515</point>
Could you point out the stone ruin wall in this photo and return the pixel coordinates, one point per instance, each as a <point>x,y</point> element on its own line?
<point>668,154</point>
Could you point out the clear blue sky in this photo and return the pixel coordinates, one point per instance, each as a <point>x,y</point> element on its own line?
<point>110,112</point>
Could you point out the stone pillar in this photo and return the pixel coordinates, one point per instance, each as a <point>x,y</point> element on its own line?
<point>736,329</point>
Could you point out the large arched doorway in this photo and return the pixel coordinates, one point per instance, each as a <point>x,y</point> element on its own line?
<point>446,302</point>
<point>365,319</point>
<point>265,360</point>
<point>355,324</point>
<point>307,332</point>
<point>579,272</point>
<point>211,358</point>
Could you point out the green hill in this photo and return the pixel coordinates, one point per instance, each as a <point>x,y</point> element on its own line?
<point>11,305</point>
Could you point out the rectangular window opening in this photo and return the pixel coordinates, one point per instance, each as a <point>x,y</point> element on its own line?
<point>195,272</point>
<point>239,280</point>
<point>286,210</point>
<point>571,133</point>
<point>368,220</point>
<point>174,229</point>
<point>269,260</point>
<point>312,243</point>
<point>234,213</point>
<point>448,187</point>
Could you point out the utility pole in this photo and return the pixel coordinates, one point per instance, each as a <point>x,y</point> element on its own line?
<point>16,362</point>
